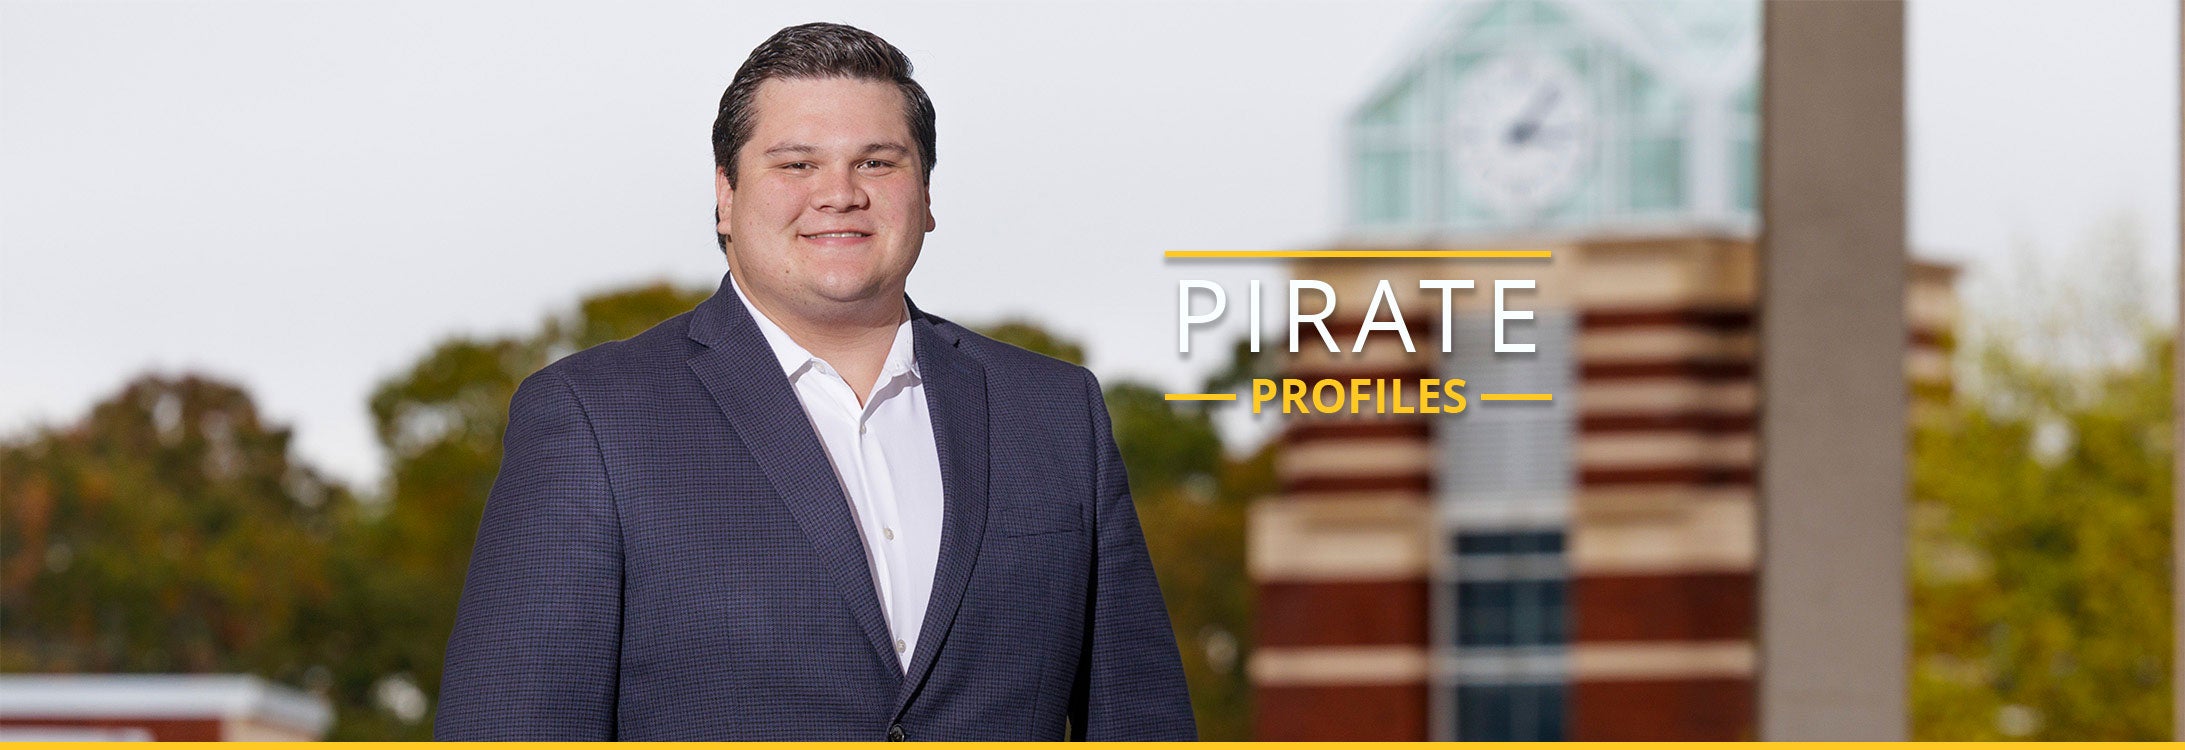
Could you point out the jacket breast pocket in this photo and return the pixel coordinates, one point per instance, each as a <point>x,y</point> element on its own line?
<point>1033,517</point>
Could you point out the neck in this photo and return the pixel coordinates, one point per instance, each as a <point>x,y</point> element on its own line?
<point>854,339</point>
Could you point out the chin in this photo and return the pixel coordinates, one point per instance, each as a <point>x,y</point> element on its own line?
<point>851,281</point>
<point>847,290</point>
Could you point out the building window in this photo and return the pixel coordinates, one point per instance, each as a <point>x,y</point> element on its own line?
<point>1511,713</point>
<point>1385,187</point>
<point>1512,613</point>
<point>1502,586</point>
<point>1512,634</point>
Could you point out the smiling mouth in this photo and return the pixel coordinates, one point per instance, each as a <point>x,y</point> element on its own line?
<point>835,235</point>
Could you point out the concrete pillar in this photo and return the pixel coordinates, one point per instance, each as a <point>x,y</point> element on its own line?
<point>1833,598</point>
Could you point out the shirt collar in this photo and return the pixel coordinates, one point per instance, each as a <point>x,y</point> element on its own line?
<point>795,359</point>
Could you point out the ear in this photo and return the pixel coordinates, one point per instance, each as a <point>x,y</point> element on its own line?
<point>929,208</point>
<point>723,196</point>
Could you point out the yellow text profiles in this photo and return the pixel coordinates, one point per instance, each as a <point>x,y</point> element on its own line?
<point>1359,395</point>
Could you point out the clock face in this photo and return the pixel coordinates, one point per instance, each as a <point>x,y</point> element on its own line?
<point>1523,129</point>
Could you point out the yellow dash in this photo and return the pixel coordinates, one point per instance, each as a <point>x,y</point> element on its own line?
<point>1470,254</point>
<point>1199,396</point>
<point>1517,397</point>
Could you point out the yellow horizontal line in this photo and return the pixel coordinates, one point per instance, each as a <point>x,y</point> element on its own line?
<point>1469,254</point>
<point>1517,397</point>
<point>1199,396</point>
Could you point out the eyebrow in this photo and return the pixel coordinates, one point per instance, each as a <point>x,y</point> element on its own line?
<point>807,149</point>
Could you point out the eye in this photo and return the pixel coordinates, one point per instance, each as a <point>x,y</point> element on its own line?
<point>876,164</point>
<point>797,165</point>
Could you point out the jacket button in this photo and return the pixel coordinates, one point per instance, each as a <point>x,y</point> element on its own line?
<point>895,733</point>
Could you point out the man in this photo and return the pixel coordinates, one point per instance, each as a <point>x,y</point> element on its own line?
<point>806,509</point>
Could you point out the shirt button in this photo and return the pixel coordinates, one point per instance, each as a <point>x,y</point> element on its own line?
<point>887,532</point>
<point>895,733</point>
<point>898,645</point>
<point>860,429</point>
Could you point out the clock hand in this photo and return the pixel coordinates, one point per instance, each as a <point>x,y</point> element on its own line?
<point>1536,111</point>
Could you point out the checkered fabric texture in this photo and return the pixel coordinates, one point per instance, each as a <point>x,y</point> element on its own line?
<point>668,555</point>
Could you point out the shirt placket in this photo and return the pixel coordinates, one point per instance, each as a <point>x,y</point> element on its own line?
<point>873,464</point>
<point>868,501</point>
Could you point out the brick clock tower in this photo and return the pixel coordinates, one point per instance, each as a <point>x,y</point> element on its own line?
<point>1582,568</point>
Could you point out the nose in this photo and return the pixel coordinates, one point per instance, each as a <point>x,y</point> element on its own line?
<point>839,190</point>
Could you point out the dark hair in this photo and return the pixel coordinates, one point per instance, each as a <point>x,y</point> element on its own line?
<point>817,50</point>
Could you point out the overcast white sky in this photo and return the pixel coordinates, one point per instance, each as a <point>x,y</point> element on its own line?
<point>304,196</point>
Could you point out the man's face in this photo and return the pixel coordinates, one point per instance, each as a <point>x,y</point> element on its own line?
<point>830,205</point>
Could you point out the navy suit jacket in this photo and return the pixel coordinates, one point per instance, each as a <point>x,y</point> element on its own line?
<point>667,554</point>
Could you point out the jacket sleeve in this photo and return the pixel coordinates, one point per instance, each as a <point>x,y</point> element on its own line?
<point>536,646</point>
<point>1131,685</point>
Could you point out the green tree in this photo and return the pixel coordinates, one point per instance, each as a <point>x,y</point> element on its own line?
<point>1030,336</point>
<point>440,423</point>
<point>2041,541</point>
<point>1196,535</point>
<point>170,530</point>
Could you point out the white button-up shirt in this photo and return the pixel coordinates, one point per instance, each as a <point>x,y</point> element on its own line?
<point>884,454</point>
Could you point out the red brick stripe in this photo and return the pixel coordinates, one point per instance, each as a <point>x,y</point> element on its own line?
<point>1404,482</point>
<point>1709,606</point>
<point>1699,476</point>
<point>1342,613</point>
<point>1695,710</point>
<point>1682,421</point>
<point>1715,319</point>
<point>1695,368</point>
<point>1373,713</point>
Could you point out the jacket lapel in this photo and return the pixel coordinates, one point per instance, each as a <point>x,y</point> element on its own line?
<point>746,381</point>
<point>956,397</point>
